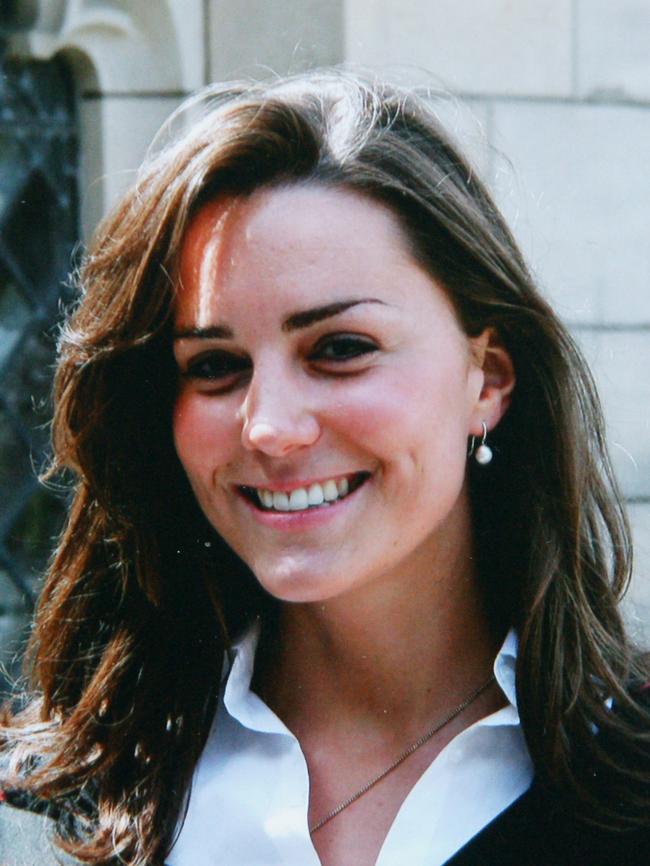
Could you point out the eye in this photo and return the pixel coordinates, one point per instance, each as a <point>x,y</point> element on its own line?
<point>216,366</point>
<point>342,347</point>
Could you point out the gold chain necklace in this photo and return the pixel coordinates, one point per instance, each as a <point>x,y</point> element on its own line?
<point>412,748</point>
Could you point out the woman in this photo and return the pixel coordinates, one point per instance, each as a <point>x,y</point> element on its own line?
<point>292,332</point>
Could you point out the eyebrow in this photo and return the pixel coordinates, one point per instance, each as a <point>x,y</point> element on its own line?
<point>294,322</point>
<point>304,319</point>
<point>212,332</point>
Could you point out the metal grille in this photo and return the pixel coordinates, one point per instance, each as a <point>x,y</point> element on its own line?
<point>38,233</point>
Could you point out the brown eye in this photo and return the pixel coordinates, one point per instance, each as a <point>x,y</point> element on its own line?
<point>342,347</point>
<point>216,365</point>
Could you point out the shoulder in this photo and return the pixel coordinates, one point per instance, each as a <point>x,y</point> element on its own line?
<point>536,830</point>
<point>26,838</point>
<point>27,831</point>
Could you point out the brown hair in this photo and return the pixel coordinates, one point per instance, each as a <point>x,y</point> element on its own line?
<point>142,598</point>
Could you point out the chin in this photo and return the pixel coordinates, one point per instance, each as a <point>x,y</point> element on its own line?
<point>297,584</point>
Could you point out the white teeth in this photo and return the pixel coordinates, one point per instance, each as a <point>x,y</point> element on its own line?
<point>303,498</point>
<point>280,501</point>
<point>298,499</point>
<point>315,495</point>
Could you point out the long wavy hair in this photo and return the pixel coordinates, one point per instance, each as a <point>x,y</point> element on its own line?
<point>142,598</point>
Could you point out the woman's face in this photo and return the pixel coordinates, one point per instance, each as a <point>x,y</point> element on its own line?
<point>326,391</point>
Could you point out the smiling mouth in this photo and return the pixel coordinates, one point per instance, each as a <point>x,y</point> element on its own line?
<point>318,495</point>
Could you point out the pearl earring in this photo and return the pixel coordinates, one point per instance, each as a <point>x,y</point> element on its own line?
<point>483,454</point>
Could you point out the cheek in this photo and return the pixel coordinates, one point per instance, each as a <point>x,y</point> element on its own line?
<point>406,416</point>
<point>204,435</point>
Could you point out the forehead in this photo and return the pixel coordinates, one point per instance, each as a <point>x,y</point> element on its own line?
<point>293,245</point>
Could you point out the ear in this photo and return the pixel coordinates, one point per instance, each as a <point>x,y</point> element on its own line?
<point>490,356</point>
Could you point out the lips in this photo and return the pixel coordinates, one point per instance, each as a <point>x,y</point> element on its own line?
<point>319,494</point>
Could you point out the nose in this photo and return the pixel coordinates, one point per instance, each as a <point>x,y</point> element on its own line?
<point>276,415</point>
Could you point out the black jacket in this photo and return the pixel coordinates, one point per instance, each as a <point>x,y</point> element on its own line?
<point>536,831</point>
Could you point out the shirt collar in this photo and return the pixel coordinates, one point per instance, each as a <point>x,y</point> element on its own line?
<point>505,666</point>
<point>239,699</point>
<point>247,708</point>
<point>505,669</point>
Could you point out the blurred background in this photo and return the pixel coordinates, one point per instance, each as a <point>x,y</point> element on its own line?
<point>550,100</point>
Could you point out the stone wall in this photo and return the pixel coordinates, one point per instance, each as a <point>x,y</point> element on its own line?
<point>553,104</point>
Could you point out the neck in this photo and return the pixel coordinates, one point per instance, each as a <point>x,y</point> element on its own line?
<point>404,649</point>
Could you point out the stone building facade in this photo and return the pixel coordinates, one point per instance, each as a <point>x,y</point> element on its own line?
<point>551,100</point>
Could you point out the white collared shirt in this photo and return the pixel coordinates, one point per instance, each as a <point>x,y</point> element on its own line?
<point>250,794</point>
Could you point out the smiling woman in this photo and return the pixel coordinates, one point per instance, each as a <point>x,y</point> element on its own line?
<point>345,552</point>
<point>364,403</point>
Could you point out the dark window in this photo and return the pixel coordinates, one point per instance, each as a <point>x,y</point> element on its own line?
<point>38,235</point>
